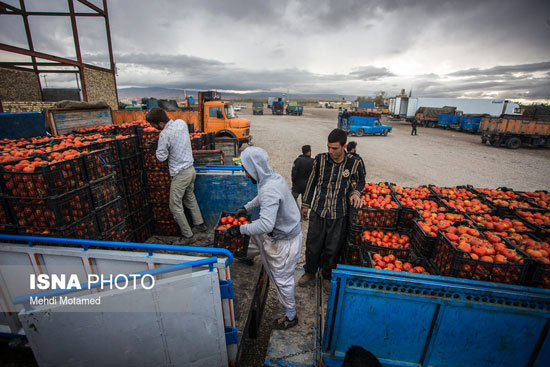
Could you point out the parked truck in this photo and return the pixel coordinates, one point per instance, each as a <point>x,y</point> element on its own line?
<point>257,108</point>
<point>492,107</point>
<point>277,107</point>
<point>429,116</point>
<point>515,132</point>
<point>293,108</point>
<point>360,125</point>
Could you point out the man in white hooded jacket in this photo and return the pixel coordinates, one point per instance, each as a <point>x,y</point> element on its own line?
<point>277,235</point>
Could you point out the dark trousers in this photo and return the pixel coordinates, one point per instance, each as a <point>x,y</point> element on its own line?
<point>413,132</point>
<point>324,241</point>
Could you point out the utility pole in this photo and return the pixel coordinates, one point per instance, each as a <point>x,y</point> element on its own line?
<point>45,81</point>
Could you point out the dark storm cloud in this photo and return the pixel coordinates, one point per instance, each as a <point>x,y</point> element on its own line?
<point>504,70</point>
<point>370,73</point>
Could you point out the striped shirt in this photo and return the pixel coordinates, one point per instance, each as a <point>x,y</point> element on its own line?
<point>174,144</point>
<point>330,185</point>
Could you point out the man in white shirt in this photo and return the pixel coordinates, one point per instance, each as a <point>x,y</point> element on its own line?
<point>174,144</point>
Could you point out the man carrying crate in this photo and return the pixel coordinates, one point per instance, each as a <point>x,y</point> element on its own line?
<point>277,235</point>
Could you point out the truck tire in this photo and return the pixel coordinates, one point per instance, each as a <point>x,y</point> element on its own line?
<point>385,132</point>
<point>513,143</point>
<point>359,132</point>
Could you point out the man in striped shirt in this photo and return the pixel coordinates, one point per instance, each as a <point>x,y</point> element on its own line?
<point>336,181</point>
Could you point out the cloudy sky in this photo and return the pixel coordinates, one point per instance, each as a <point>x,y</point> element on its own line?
<point>437,48</point>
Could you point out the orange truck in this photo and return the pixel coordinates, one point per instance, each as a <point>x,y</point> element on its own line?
<point>513,132</point>
<point>209,114</point>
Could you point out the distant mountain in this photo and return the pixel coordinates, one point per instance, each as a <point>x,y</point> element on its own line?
<point>168,93</point>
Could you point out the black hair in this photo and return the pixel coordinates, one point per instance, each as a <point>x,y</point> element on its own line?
<point>156,115</point>
<point>359,357</point>
<point>352,145</point>
<point>338,136</point>
<point>306,149</point>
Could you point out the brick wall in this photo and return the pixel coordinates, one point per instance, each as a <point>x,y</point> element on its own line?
<point>18,85</point>
<point>9,106</point>
<point>100,86</point>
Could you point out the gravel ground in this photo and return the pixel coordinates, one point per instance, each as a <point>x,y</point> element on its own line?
<point>434,156</point>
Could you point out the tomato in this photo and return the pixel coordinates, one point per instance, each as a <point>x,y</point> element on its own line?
<point>223,220</point>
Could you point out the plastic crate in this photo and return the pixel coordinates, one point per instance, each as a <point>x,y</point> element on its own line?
<point>528,227</point>
<point>150,161</point>
<point>85,229</point>
<point>127,146</point>
<point>158,194</point>
<point>408,214</point>
<point>52,212</point>
<point>107,143</point>
<point>139,217</point>
<point>5,215</point>
<point>166,228</point>
<point>46,181</point>
<point>500,193</point>
<point>104,191</point>
<point>127,130</point>
<point>422,243</point>
<point>386,218</point>
<point>206,157</point>
<point>148,138</point>
<point>506,207</point>
<point>354,235</point>
<point>238,246</point>
<point>451,205</point>
<point>157,178</point>
<point>450,261</point>
<point>402,253</point>
<point>544,215</point>
<point>450,192</point>
<point>355,255</point>
<point>119,233</point>
<point>133,184</point>
<point>131,165</point>
<point>137,201</point>
<point>110,215</point>
<point>121,188</point>
<point>540,277</point>
<point>143,233</point>
<point>413,260</point>
<point>422,191</point>
<point>98,164</point>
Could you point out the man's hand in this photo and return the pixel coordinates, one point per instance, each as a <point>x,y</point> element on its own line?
<point>241,212</point>
<point>234,231</point>
<point>304,213</point>
<point>356,201</point>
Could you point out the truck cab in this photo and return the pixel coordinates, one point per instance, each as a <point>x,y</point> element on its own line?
<point>361,125</point>
<point>257,108</point>
<point>219,116</point>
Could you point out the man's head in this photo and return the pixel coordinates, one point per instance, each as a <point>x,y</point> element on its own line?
<point>157,117</point>
<point>352,147</point>
<point>306,150</point>
<point>359,357</point>
<point>254,162</point>
<point>337,144</point>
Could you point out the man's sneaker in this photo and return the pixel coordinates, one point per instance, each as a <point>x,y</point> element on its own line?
<point>201,228</point>
<point>305,279</point>
<point>185,241</point>
<point>284,323</point>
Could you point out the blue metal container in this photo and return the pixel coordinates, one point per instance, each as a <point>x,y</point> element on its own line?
<point>21,125</point>
<point>448,120</point>
<point>470,123</point>
<point>423,320</point>
<point>365,104</point>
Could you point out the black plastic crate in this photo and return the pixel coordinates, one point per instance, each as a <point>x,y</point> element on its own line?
<point>127,146</point>
<point>450,192</point>
<point>105,143</point>
<point>238,246</point>
<point>413,260</point>
<point>541,221</point>
<point>104,191</point>
<point>127,130</point>
<point>119,233</point>
<point>158,194</point>
<point>133,184</point>
<point>421,242</point>
<point>166,228</point>
<point>110,215</point>
<point>450,261</point>
<point>399,252</point>
<point>157,178</point>
<point>130,166</point>
<point>46,181</point>
<point>5,215</point>
<point>150,161</point>
<point>84,229</point>
<point>408,214</point>
<point>453,205</point>
<point>355,255</point>
<point>426,192</point>
<point>501,193</point>
<point>98,164</point>
<point>355,234</point>
<point>137,201</point>
<point>52,212</point>
<point>121,188</point>
<point>373,217</point>
<point>139,217</point>
<point>506,207</point>
<point>143,233</point>
<point>527,227</point>
<point>148,138</point>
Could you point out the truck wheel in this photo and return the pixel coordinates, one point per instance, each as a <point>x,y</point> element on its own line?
<point>359,132</point>
<point>385,132</point>
<point>513,143</point>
